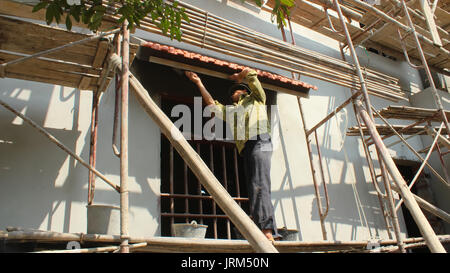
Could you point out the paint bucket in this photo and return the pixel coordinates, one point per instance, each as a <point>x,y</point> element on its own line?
<point>103,219</point>
<point>288,234</point>
<point>192,230</point>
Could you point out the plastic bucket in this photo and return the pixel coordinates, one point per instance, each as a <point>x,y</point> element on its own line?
<point>103,219</point>
<point>288,234</point>
<point>192,230</point>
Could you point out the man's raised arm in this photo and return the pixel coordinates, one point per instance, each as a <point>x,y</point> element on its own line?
<point>207,98</point>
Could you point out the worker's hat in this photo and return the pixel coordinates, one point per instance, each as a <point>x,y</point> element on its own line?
<point>238,86</point>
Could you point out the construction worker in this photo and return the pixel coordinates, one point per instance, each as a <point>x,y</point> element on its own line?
<point>252,138</point>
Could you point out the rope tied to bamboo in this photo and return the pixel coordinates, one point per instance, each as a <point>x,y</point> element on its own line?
<point>82,237</point>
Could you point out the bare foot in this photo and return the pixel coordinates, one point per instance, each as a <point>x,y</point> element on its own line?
<point>268,233</point>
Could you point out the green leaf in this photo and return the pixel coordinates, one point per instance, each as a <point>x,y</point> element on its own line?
<point>287,3</point>
<point>75,12</point>
<point>68,22</point>
<point>39,6</point>
<point>49,14</point>
<point>100,9</point>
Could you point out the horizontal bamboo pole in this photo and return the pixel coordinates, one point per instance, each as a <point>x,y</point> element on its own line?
<point>177,245</point>
<point>59,144</point>
<point>353,84</point>
<point>221,35</point>
<point>93,249</point>
<point>406,28</point>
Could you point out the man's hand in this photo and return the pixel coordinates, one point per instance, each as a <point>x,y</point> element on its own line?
<point>205,94</point>
<point>239,77</point>
<point>193,77</point>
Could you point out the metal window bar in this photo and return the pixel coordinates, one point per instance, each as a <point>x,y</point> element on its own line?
<point>207,207</point>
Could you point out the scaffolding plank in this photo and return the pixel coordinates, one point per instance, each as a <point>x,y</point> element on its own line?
<point>412,113</point>
<point>48,71</point>
<point>29,38</point>
<point>385,130</point>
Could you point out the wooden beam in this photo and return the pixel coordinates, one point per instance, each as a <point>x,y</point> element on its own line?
<point>102,50</point>
<point>220,75</point>
<point>429,18</point>
<point>84,83</point>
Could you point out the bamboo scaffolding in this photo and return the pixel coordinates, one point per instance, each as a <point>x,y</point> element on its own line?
<point>226,37</point>
<point>124,202</point>
<point>46,52</point>
<point>369,160</point>
<point>432,241</point>
<point>428,206</point>
<point>93,249</point>
<point>436,97</point>
<point>411,148</point>
<point>365,95</point>
<point>177,245</point>
<point>387,18</point>
<point>93,146</point>
<point>411,113</point>
<point>419,171</point>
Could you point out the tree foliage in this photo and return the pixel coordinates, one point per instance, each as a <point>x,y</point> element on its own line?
<point>167,16</point>
<point>280,11</point>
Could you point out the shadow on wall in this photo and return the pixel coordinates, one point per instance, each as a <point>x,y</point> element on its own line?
<point>144,155</point>
<point>42,186</point>
<point>351,204</point>
<point>38,177</point>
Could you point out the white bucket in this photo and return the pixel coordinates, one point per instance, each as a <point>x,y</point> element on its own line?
<point>103,219</point>
<point>192,230</point>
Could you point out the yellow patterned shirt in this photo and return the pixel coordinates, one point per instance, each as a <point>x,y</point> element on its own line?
<point>250,113</point>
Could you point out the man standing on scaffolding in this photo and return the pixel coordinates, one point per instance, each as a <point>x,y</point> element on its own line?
<point>252,137</point>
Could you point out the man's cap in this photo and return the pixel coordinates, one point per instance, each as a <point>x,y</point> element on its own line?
<point>238,86</point>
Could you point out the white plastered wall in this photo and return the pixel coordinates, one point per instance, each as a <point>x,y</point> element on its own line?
<point>44,188</point>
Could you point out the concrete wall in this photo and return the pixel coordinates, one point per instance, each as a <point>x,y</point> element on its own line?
<point>45,189</point>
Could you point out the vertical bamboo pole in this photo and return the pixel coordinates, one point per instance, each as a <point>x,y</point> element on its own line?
<point>316,187</point>
<point>93,146</point>
<point>369,109</point>
<point>425,228</point>
<point>117,82</point>
<point>124,247</point>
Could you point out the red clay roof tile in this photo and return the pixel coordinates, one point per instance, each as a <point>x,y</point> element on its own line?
<point>210,60</point>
